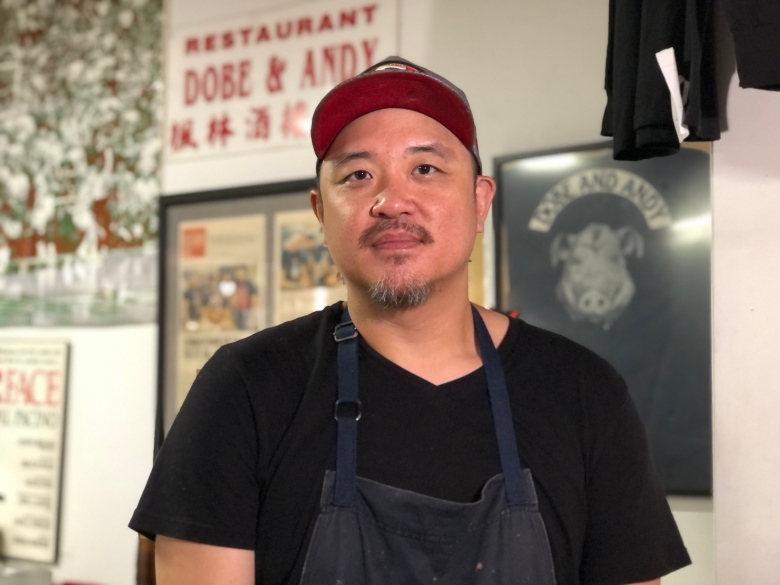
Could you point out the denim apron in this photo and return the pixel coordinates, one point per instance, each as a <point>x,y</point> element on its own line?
<point>368,533</point>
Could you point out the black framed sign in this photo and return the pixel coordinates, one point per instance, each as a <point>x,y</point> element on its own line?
<point>233,262</point>
<point>616,256</point>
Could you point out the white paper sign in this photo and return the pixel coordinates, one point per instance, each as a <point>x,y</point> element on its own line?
<point>33,376</point>
<point>252,82</point>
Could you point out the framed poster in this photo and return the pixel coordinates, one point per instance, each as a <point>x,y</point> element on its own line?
<point>33,395</point>
<point>615,255</point>
<point>233,262</point>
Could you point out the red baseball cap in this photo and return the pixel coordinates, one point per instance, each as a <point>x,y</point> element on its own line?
<point>394,83</point>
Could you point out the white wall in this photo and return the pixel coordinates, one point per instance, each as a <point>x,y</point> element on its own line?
<point>746,313</point>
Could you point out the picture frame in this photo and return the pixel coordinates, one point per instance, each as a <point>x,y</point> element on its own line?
<point>233,262</point>
<point>33,418</point>
<point>615,255</point>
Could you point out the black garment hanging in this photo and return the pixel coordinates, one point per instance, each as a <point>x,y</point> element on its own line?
<point>368,533</point>
<point>755,26</point>
<point>639,109</point>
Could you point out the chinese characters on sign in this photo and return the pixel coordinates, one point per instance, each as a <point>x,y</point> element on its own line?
<point>253,82</point>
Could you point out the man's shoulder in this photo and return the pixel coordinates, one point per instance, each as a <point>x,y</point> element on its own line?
<point>554,347</point>
<point>298,336</point>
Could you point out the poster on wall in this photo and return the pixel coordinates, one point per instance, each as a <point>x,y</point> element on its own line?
<point>80,146</point>
<point>235,261</point>
<point>251,82</point>
<point>616,256</point>
<point>221,288</point>
<point>305,275</point>
<point>33,382</point>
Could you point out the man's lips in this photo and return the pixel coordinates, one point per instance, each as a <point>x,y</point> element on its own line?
<point>391,234</point>
<point>395,241</point>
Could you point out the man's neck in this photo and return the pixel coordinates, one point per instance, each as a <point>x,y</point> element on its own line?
<point>435,340</point>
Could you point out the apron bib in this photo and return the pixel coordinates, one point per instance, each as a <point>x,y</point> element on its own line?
<point>368,533</point>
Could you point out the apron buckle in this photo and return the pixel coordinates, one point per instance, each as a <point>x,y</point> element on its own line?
<point>347,409</point>
<point>345,331</point>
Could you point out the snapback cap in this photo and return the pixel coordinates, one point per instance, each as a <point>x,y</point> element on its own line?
<point>394,83</point>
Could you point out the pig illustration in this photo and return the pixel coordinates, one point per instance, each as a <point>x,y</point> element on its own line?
<point>595,285</point>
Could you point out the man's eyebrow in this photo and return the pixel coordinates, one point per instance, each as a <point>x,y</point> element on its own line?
<point>435,148</point>
<point>349,157</point>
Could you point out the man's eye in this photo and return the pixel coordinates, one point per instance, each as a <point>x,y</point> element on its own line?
<point>358,176</point>
<point>425,169</point>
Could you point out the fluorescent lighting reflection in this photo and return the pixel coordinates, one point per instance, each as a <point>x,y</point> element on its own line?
<point>693,223</point>
<point>553,162</point>
<point>693,230</point>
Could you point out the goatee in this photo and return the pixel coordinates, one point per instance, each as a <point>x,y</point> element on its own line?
<point>410,293</point>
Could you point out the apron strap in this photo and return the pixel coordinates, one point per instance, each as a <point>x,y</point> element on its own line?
<point>347,413</point>
<point>502,414</point>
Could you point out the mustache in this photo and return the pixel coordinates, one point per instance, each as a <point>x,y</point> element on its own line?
<point>384,225</point>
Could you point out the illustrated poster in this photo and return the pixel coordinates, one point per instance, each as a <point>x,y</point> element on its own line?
<point>306,279</point>
<point>616,256</point>
<point>222,289</point>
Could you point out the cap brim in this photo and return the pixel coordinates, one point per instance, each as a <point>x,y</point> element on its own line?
<point>362,95</point>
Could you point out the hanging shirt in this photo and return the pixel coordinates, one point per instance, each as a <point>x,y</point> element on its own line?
<point>639,112</point>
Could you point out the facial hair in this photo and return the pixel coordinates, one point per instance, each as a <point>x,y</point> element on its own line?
<point>410,293</point>
<point>405,292</point>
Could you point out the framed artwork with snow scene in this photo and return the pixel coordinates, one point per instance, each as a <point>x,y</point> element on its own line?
<point>615,255</point>
<point>80,146</point>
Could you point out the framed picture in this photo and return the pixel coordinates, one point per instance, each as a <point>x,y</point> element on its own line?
<point>233,262</point>
<point>615,255</point>
<point>33,401</point>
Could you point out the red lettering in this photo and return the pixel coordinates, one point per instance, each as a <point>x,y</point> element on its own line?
<point>245,32</point>
<point>287,31</point>
<point>53,387</point>
<point>219,130</point>
<point>308,71</point>
<point>244,67</point>
<point>227,40</point>
<point>191,46</point>
<point>228,84</point>
<point>262,35</point>
<point>328,64</point>
<point>348,61</point>
<point>273,81</point>
<point>325,24</point>
<point>347,18</point>
<point>369,10</point>
<point>211,43</point>
<point>304,25</point>
<point>368,49</point>
<point>181,136</point>
<point>209,84</point>
<point>190,87</point>
<point>35,388</point>
<point>259,125</point>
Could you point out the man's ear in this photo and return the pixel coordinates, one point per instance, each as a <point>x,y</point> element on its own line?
<point>315,198</point>
<point>485,191</point>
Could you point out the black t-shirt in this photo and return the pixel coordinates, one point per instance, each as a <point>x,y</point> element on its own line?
<point>243,463</point>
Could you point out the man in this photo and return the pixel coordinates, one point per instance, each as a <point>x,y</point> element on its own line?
<point>463,447</point>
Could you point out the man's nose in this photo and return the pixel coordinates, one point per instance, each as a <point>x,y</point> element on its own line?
<point>393,200</point>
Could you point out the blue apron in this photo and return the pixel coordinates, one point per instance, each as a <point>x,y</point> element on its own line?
<point>368,533</point>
